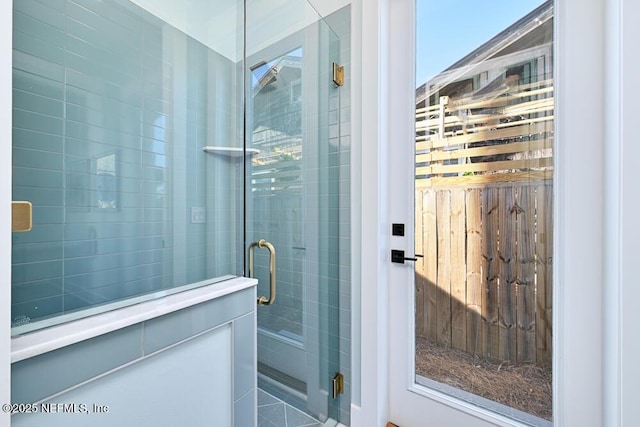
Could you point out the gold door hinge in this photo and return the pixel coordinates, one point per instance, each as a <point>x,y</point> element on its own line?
<point>338,74</point>
<point>338,385</point>
<point>21,216</point>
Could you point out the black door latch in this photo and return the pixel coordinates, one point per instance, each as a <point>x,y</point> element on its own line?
<point>397,256</point>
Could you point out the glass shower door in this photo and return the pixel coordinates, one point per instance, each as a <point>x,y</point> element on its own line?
<point>292,139</point>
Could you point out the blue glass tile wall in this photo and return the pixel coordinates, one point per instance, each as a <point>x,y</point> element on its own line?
<point>112,107</point>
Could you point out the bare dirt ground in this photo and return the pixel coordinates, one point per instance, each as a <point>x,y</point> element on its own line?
<point>522,386</point>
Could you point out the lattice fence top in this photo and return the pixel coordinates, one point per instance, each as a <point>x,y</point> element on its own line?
<point>502,136</point>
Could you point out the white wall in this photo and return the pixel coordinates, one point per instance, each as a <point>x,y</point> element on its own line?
<point>369,195</point>
<point>189,384</point>
<point>630,232</point>
<point>215,23</point>
<point>622,196</point>
<point>5,195</point>
<point>327,7</point>
<point>273,20</point>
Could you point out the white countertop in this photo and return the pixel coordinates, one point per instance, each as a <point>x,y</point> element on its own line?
<point>119,315</point>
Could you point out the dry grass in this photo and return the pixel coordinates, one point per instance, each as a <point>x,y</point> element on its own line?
<point>525,387</point>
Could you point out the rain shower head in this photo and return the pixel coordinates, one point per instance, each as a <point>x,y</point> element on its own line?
<point>269,77</point>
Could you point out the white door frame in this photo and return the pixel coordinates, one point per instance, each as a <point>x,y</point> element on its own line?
<point>582,31</point>
<point>622,201</point>
<point>6,23</point>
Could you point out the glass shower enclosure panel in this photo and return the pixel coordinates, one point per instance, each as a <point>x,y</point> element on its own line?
<point>291,199</point>
<point>127,124</point>
<point>156,142</point>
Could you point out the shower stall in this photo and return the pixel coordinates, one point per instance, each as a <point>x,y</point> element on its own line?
<point>167,146</point>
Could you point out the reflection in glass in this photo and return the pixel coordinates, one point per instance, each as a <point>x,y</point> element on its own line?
<point>106,182</point>
<point>277,181</point>
<point>298,182</point>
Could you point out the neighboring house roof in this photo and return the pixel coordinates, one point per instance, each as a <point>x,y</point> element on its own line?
<point>530,31</point>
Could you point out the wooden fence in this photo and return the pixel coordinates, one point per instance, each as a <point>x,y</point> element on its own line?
<point>484,224</point>
<point>485,282</point>
<point>475,140</point>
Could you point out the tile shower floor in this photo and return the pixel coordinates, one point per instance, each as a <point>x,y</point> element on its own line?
<point>273,412</point>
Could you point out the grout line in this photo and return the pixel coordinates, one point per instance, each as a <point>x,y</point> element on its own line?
<point>286,418</point>
<point>270,404</point>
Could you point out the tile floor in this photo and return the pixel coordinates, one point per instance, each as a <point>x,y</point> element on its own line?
<point>273,412</point>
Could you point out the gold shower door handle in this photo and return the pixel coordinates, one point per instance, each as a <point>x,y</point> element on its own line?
<point>272,269</point>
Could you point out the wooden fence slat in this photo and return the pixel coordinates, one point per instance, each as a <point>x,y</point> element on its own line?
<point>490,268</point>
<point>502,165</point>
<point>458,270</point>
<point>492,102</point>
<point>506,244</point>
<point>525,274</point>
<point>420,280</point>
<point>544,273</point>
<point>476,328</point>
<point>443,209</point>
<point>490,150</point>
<point>523,108</point>
<point>549,242</point>
<point>498,178</point>
<point>430,252</point>
<point>427,140</point>
<point>541,237</point>
<point>525,89</point>
<point>487,134</point>
<point>423,110</point>
<point>530,107</point>
<point>454,125</point>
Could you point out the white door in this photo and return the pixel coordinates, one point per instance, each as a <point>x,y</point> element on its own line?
<point>576,344</point>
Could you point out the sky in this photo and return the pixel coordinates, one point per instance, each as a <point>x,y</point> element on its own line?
<point>448,30</point>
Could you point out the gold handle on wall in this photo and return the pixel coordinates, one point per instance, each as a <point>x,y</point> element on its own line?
<point>272,269</point>
<point>21,216</point>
